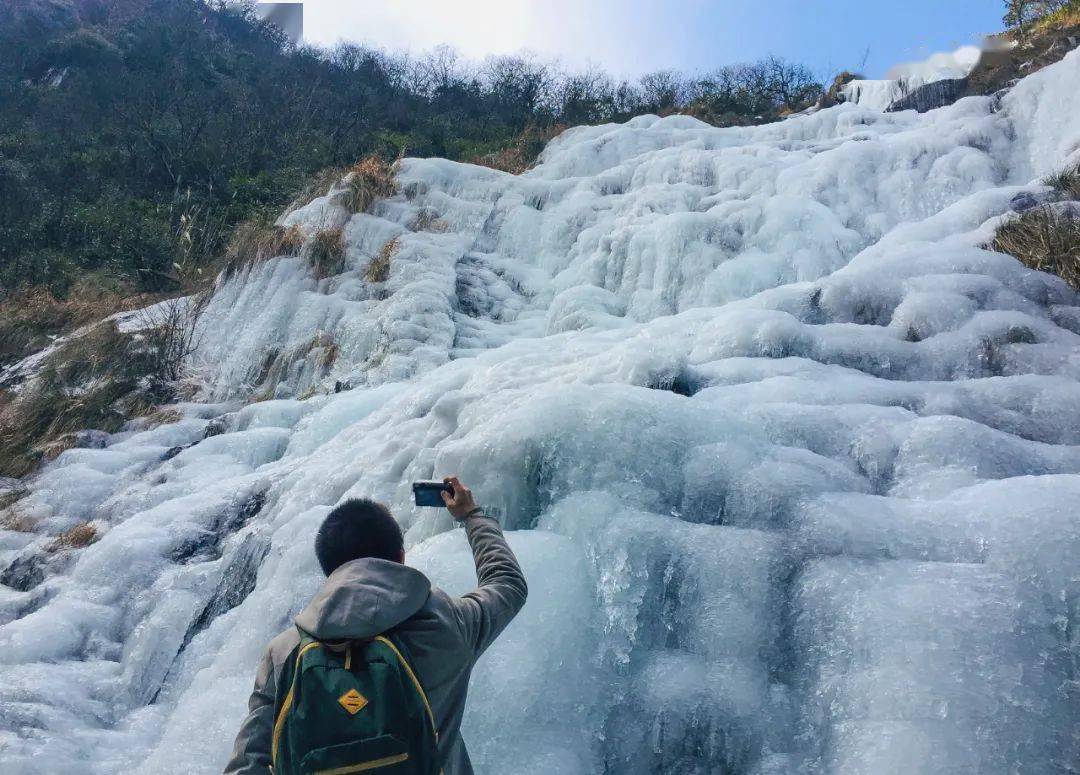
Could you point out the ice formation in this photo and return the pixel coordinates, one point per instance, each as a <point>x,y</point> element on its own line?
<point>791,462</point>
<point>903,79</point>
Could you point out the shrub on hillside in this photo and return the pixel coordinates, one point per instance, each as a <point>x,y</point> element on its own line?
<point>1026,16</point>
<point>169,332</point>
<point>77,388</point>
<point>316,185</point>
<point>1065,16</point>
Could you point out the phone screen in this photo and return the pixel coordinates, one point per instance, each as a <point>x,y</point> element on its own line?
<point>429,493</point>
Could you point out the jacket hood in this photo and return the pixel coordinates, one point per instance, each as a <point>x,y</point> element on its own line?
<point>364,598</point>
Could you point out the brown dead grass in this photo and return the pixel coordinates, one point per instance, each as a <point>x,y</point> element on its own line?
<point>329,350</point>
<point>378,269</point>
<point>90,382</point>
<point>56,447</point>
<point>159,417</point>
<point>326,253</point>
<point>1067,182</point>
<point>367,181</point>
<point>30,318</point>
<point>317,185</point>
<point>428,220</point>
<point>522,153</point>
<point>1043,239</point>
<point>78,537</point>
<point>257,240</point>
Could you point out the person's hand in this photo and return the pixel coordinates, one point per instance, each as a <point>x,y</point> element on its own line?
<point>460,502</point>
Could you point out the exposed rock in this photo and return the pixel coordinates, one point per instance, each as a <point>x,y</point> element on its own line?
<point>236,583</point>
<point>25,573</point>
<point>1022,201</point>
<point>208,544</point>
<point>936,94</point>
<point>172,452</point>
<point>217,426</point>
<point>91,439</point>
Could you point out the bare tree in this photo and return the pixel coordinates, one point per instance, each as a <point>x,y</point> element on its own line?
<point>663,90</point>
<point>790,85</point>
<point>439,71</point>
<point>627,98</point>
<point>521,83</point>
<point>587,97</point>
<point>172,334</point>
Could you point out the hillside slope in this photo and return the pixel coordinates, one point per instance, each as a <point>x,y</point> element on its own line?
<point>790,460</point>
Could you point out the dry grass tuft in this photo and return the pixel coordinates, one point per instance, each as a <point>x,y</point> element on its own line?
<point>159,417</point>
<point>428,220</point>
<point>367,181</point>
<point>78,537</point>
<point>522,152</point>
<point>1067,182</point>
<point>53,449</point>
<point>326,253</point>
<point>1044,239</point>
<point>378,269</point>
<point>329,350</point>
<point>256,240</point>
<point>317,185</point>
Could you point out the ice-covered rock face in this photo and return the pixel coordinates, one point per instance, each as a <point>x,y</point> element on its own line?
<point>790,462</point>
<point>903,79</point>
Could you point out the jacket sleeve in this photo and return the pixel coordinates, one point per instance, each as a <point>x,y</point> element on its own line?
<point>501,592</point>
<point>251,752</point>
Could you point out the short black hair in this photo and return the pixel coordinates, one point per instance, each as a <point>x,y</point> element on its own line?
<point>358,528</point>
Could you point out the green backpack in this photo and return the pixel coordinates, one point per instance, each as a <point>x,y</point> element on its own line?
<point>352,707</point>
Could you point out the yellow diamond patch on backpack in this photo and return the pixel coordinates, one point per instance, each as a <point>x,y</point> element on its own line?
<point>353,701</point>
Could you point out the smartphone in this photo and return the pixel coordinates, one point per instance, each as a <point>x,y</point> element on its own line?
<point>430,493</point>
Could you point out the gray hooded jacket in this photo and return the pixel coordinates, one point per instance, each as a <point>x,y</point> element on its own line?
<point>444,635</point>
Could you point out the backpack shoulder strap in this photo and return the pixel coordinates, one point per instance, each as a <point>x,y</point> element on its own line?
<point>306,644</point>
<point>389,643</point>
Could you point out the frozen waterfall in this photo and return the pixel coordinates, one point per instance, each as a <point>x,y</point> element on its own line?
<point>791,462</point>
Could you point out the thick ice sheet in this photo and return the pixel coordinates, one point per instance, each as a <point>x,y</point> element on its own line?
<point>790,461</point>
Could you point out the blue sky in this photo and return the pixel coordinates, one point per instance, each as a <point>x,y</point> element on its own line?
<point>635,36</point>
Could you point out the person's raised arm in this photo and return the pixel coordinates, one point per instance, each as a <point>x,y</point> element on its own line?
<point>501,592</point>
